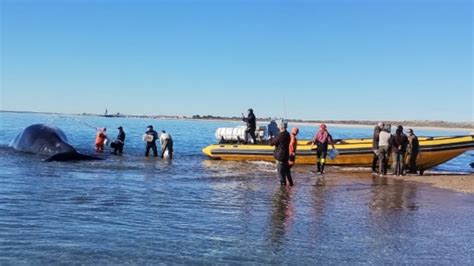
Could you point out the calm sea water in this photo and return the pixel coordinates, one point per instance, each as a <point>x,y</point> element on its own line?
<point>131,209</point>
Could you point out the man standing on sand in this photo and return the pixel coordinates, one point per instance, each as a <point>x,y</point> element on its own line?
<point>412,151</point>
<point>398,147</point>
<point>375,145</point>
<point>384,150</point>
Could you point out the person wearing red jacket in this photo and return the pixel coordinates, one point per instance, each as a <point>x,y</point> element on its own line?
<point>293,145</point>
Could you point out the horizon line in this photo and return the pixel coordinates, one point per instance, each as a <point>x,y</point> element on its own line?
<point>234,117</point>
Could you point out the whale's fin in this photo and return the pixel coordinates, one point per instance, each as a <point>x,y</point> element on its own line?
<point>71,156</point>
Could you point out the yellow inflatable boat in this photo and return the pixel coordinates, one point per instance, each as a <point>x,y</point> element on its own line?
<point>352,152</point>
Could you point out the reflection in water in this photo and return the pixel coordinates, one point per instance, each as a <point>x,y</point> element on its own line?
<point>393,195</point>
<point>282,216</point>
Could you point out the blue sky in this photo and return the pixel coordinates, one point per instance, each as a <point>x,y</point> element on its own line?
<point>374,60</point>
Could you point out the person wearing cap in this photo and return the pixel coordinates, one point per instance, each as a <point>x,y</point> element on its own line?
<point>251,126</point>
<point>100,138</point>
<point>150,138</point>
<point>166,143</point>
<point>322,139</point>
<point>375,145</point>
<point>282,154</point>
<point>119,142</point>
<point>398,147</point>
<point>293,145</point>
<point>413,150</point>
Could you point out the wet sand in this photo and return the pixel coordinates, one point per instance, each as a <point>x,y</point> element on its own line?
<point>456,182</point>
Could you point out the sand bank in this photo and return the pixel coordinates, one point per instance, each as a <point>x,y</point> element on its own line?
<point>456,182</point>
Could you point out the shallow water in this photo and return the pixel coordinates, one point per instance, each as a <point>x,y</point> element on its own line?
<point>193,210</point>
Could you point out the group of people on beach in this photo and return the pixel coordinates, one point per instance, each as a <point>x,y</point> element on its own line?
<point>404,150</point>
<point>150,137</point>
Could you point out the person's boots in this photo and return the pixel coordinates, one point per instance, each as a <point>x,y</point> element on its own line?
<point>319,167</point>
<point>290,181</point>
<point>322,168</point>
<point>374,165</point>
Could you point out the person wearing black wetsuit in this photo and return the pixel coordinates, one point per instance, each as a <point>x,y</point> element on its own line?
<point>151,137</point>
<point>251,126</point>
<point>413,150</point>
<point>282,154</point>
<point>119,142</point>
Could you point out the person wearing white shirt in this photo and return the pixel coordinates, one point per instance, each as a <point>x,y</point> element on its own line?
<point>384,145</point>
<point>166,144</point>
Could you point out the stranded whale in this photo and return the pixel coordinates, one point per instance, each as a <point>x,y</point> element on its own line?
<point>47,140</point>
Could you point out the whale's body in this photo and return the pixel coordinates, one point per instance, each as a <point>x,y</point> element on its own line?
<point>47,140</point>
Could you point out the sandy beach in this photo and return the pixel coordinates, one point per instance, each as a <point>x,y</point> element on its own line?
<point>456,182</point>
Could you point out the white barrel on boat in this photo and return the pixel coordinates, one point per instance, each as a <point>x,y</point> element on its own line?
<point>231,134</point>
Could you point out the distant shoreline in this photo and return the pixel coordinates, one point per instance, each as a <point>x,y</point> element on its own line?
<point>427,124</point>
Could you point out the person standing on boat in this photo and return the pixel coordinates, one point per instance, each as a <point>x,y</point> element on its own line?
<point>398,147</point>
<point>293,145</point>
<point>375,145</point>
<point>150,138</point>
<point>412,151</point>
<point>273,130</point>
<point>384,150</point>
<point>100,138</point>
<point>166,143</point>
<point>251,126</point>
<point>119,141</point>
<point>322,139</point>
<point>282,154</point>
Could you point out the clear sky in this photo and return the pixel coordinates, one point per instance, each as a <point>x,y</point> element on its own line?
<point>374,60</point>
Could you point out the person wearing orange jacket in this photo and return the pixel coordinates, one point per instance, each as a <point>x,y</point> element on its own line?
<point>100,138</point>
<point>293,145</point>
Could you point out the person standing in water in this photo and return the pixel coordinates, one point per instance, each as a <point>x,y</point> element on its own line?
<point>150,137</point>
<point>166,143</point>
<point>282,154</point>
<point>293,145</point>
<point>251,126</point>
<point>100,138</point>
<point>119,142</point>
<point>322,139</point>
<point>375,145</point>
<point>413,150</point>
